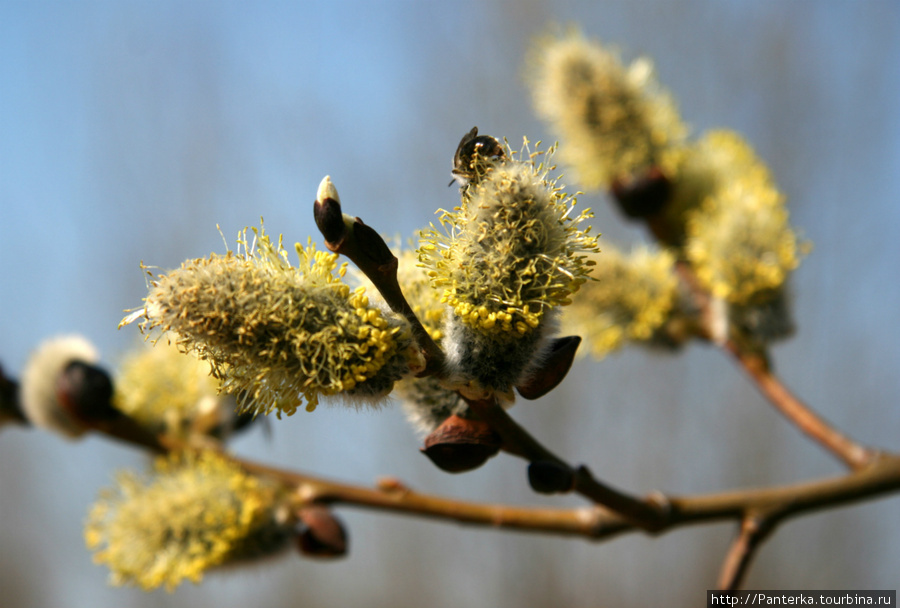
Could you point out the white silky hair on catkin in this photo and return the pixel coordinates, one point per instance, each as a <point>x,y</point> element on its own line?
<point>500,364</point>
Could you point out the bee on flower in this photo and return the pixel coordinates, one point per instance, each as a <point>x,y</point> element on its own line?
<point>505,260</point>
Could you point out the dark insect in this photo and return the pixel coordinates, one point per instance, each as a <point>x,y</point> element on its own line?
<point>471,144</point>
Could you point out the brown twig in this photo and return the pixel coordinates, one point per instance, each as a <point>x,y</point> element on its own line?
<point>758,510</point>
<point>363,246</point>
<point>756,366</point>
<point>646,514</point>
<point>398,499</point>
<point>880,477</point>
<point>754,529</point>
<point>800,414</point>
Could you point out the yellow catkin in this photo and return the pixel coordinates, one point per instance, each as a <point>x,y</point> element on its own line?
<point>167,390</point>
<point>511,251</point>
<point>739,239</point>
<point>195,512</point>
<point>613,120</point>
<point>275,334</point>
<point>630,299</point>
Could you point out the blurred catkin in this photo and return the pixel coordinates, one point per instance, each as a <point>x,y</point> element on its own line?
<point>614,121</point>
<point>630,299</point>
<point>195,512</point>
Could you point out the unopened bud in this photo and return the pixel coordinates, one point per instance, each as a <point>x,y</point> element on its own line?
<point>322,534</point>
<point>549,477</point>
<point>44,385</point>
<point>86,391</point>
<point>327,212</point>
<point>551,368</point>
<point>642,195</point>
<point>10,410</point>
<point>460,444</point>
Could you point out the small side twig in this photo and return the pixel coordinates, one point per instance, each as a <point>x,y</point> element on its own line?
<point>646,514</point>
<point>800,414</point>
<point>309,490</point>
<point>756,366</point>
<point>777,504</point>
<point>754,529</point>
<point>363,246</point>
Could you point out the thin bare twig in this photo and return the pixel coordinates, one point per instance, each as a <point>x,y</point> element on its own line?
<point>754,529</point>
<point>800,414</point>
<point>400,499</point>
<point>756,366</point>
<point>880,477</point>
<point>362,245</point>
<point>647,514</point>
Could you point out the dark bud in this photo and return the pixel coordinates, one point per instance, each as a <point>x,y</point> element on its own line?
<point>550,477</point>
<point>460,444</point>
<point>552,369</point>
<point>327,211</point>
<point>644,195</point>
<point>766,318</point>
<point>321,534</point>
<point>9,401</point>
<point>86,391</point>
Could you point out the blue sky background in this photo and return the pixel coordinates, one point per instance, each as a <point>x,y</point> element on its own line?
<point>129,130</point>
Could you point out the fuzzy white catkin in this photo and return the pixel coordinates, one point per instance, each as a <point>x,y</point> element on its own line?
<point>39,399</point>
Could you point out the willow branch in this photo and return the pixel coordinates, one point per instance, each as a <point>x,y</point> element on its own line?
<point>755,364</point>
<point>363,246</point>
<point>394,497</point>
<point>754,529</point>
<point>881,476</point>
<point>647,514</point>
<point>799,413</point>
<point>777,504</point>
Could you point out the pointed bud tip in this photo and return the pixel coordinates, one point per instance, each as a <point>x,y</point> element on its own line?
<point>327,212</point>
<point>557,360</point>
<point>322,535</point>
<point>327,190</point>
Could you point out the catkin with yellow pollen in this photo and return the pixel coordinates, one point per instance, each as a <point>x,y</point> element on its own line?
<point>630,299</point>
<point>168,391</point>
<point>613,121</point>
<point>739,240</point>
<point>509,255</point>
<point>193,513</point>
<point>279,335</point>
